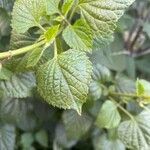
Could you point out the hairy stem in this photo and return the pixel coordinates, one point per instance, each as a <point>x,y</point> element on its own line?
<point>11,53</point>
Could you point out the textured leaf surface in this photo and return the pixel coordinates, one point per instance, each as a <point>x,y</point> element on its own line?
<point>63,82</point>
<point>27,14</point>
<point>76,126</point>
<point>108,116</point>
<point>135,134</point>
<point>52,6</point>
<point>102,15</point>
<point>19,86</point>
<point>7,137</point>
<point>79,36</point>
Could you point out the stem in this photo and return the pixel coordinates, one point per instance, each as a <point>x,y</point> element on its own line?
<point>123,109</point>
<point>64,18</point>
<point>19,51</point>
<point>55,49</point>
<point>129,95</point>
<point>41,28</point>
<point>73,10</point>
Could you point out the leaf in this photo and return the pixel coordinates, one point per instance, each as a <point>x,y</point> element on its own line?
<point>19,86</point>
<point>52,6</point>
<point>108,116</point>
<point>19,40</point>
<point>143,89</point>
<point>6,4</point>
<point>4,23</point>
<point>125,85</point>
<point>27,14</point>
<point>27,140</point>
<point>5,74</point>
<point>61,139</point>
<point>79,36</point>
<point>51,33</point>
<point>67,5</point>
<point>34,57</point>
<point>63,81</point>
<point>76,126</point>
<point>102,142</point>
<point>135,134</point>
<point>7,137</point>
<point>42,138</point>
<point>102,16</point>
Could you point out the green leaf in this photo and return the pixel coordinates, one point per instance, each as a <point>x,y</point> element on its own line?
<point>27,14</point>
<point>27,140</point>
<point>76,126</point>
<point>34,57</point>
<point>4,23</point>
<point>135,134</point>
<point>52,6</point>
<point>42,138</point>
<point>102,142</point>
<point>67,5</point>
<point>102,15</point>
<point>108,116</point>
<point>7,137</point>
<point>19,86</point>
<point>51,33</point>
<point>143,89</point>
<point>61,141</point>
<point>5,74</point>
<point>79,36</point>
<point>63,81</point>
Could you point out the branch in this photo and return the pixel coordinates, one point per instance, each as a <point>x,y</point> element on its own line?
<point>11,53</point>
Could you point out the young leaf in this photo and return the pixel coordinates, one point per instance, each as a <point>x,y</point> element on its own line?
<point>135,134</point>
<point>79,36</point>
<point>27,14</point>
<point>67,6</point>
<point>51,33</point>
<point>76,126</point>
<point>143,89</point>
<point>7,137</point>
<point>52,6</point>
<point>108,116</point>
<point>63,81</point>
<point>19,86</point>
<point>103,15</point>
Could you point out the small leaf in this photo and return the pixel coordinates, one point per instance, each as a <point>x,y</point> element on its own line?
<point>76,126</point>
<point>42,138</point>
<point>51,33</point>
<point>34,57</point>
<point>135,134</point>
<point>67,6</point>
<point>108,116</point>
<point>7,137</point>
<point>27,14</point>
<point>27,140</point>
<point>52,6</point>
<point>79,36</point>
<point>143,89</point>
<point>63,81</point>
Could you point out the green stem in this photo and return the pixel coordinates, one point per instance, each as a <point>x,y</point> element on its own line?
<point>129,95</point>
<point>19,51</point>
<point>55,49</point>
<point>73,10</point>
<point>123,109</point>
